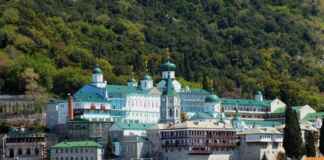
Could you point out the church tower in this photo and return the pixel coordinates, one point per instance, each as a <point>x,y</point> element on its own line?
<point>170,104</point>
<point>97,78</point>
<point>168,72</point>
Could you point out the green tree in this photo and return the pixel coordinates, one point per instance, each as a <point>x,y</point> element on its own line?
<point>292,142</point>
<point>33,89</point>
<point>11,15</point>
<point>109,152</point>
<point>4,127</point>
<point>206,83</point>
<point>184,117</point>
<point>310,144</point>
<point>70,79</point>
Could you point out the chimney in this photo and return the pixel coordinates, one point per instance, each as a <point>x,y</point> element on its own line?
<point>70,107</point>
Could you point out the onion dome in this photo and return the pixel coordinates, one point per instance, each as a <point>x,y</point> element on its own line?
<point>147,77</point>
<point>212,99</point>
<point>97,70</point>
<point>168,66</point>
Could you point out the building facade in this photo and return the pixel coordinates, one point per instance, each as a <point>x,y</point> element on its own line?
<point>257,108</point>
<point>130,140</point>
<point>132,102</point>
<point>80,129</point>
<point>23,144</point>
<point>56,114</point>
<point>170,104</point>
<point>16,104</point>
<point>198,140</point>
<point>76,150</point>
<point>259,142</point>
<point>144,103</point>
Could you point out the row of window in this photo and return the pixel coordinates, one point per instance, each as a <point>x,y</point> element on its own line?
<point>73,150</point>
<point>199,141</point>
<point>247,108</point>
<point>21,152</point>
<point>195,133</point>
<point>219,149</point>
<point>75,158</point>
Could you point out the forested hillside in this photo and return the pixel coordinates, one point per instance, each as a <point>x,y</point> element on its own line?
<point>235,46</point>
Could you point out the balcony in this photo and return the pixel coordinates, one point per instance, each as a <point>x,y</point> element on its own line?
<point>199,150</point>
<point>222,145</point>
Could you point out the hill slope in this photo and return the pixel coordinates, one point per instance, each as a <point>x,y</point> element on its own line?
<point>234,46</point>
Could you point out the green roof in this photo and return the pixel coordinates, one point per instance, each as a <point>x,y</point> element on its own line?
<point>89,97</point>
<point>212,99</point>
<point>279,110</point>
<point>90,93</point>
<point>262,123</point>
<point>133,126</point>
<point>313,116</point>
<point>168,66</point>
<point>296,108</point>
<point>201,116</point>
<point>199,91</point>
<point>79,120</point>
<point>246,102</point>
<point>77,144</point>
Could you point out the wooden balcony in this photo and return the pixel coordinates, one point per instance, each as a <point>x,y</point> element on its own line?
<point>199,151</point>
<point>221,145</point>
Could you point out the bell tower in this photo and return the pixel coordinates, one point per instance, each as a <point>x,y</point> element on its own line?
<point>170,104</point>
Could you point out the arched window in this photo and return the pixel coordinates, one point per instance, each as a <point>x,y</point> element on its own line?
<point>28,151</point>
<point>36,151</point>
<point>19,151</point>
<point>11,153</point>
<point>170,112</point>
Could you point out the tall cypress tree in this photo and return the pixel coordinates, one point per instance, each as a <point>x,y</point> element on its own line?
<point>109,149</point>
<point>292,135</point>
<point>321,146</point>
<point>310,144</point>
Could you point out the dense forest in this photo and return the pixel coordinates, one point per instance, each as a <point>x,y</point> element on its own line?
<point>236,47</point>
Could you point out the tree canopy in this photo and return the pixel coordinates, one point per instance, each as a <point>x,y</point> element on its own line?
<point>242,46</point>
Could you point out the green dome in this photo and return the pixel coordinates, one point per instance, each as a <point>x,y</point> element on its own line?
<point>97,70</point>
<point>212,99</point>
<point>147,77</point>
<point>168,66</point>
